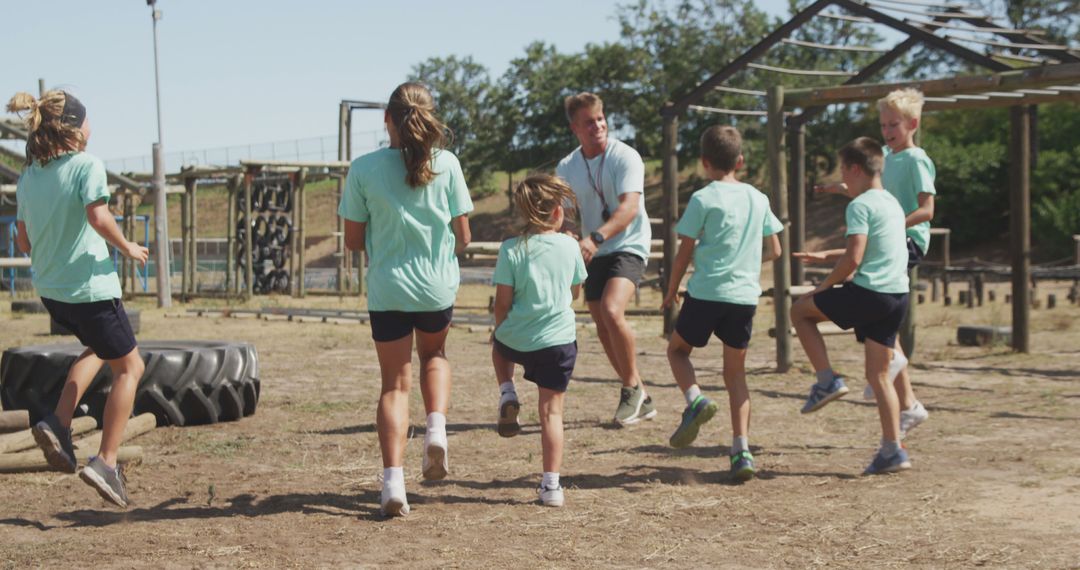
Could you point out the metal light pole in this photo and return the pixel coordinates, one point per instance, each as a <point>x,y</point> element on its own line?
<point>161,218</point>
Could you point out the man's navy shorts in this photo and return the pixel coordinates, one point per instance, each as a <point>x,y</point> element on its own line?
<point>102,326</point>
<point>549,367</point>
<point>393,325</point>
<point>606,267</point>
<point>731,323</point>
<point>874,315</point>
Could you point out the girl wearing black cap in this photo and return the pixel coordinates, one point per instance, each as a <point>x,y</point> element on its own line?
<point>63,213</point>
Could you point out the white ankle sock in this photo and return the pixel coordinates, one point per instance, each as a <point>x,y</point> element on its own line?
<point>692,394</point>
<point>436,422</point>
<point>507,392</point>
<point>550,480</point>
<point>739,444</point>
<point>890,448</point>
<point>393,477</point>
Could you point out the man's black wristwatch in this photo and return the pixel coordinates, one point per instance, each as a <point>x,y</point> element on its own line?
<point>597,237</point>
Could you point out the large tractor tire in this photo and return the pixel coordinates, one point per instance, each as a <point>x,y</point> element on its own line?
<point>185,383</point>
<point>133,316</point>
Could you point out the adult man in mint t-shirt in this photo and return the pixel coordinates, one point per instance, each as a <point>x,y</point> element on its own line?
<point>608,178</point>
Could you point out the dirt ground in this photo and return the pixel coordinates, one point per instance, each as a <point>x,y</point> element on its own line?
<point>995,483</point>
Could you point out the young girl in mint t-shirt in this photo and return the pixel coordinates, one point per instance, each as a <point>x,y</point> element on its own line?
<point>407,205</point>
<point>537,277</point>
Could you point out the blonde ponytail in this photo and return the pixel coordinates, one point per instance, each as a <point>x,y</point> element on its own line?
<point>536,198</point>
<point>412,110</point>
<point>48,136</point>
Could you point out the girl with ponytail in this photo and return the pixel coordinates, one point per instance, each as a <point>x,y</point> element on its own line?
<point>64,223</point>
<point>407,207</point>
<point>537,278</point>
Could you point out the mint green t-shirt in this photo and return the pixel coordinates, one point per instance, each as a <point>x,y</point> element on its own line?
<point>729,221</point>
<point>541,269</point>
<point>907,174</point>
<point>877,215</point>
<point>70,260</point>
<point>409,241</point>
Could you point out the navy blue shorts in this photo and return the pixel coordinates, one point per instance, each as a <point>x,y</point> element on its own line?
<point>915,254</point>
<point>873,315</point>
<point>731,323</point>
<point>606,267</point>
<point>549,367</point>
<point>393,325</point>
<point>102,326</point>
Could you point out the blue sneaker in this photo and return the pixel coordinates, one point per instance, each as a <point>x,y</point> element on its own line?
<point>881,464</point>
<point>820,396</point>
<point>742,466</point>
<point>693,417</point>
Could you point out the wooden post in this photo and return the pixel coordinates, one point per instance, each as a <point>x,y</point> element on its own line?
<point>339,237</point>
<point>183,243</point>
<point>797,184</point>
<point>299,225</point>
<point>671,206</point>
<point>230,235</point>
<point>193,235</point>
<point>947,259</point>
<point>1020,224</point>
<point>14,420</point>
<point>907,326</point>
<point>249,270</point>
<point>775,151</point>
<point>297,258</point>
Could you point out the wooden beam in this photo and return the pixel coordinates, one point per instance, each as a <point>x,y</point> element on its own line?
<point>296,164</point>
<point>1015,79</point>
<point>14,420</point>
<point>833,47</point>
<point>805,72</point>
<point>24,439</point>
<point>740,63</point>
<point>1000,102</point>
<point>1020,224</point>
<point>777,162</point>
<point>34,461</point>
<point>797,198</point>
<point>671,207</point>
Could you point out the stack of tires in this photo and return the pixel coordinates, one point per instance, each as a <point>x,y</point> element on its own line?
<point>271,234</point>
<point>185,383</point>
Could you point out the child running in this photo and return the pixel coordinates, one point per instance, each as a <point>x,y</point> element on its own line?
<point>407,206</point>
<point>722,228</point>
<point>64,223</point>
<point>909,177</point>
<point>537,278</point>
<point>873,302</point>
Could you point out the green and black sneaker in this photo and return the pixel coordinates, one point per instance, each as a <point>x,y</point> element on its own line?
<point>742,466</point>
<point>693,417</point>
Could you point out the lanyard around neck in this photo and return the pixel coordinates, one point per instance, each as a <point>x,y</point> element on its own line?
<point>597,183</point>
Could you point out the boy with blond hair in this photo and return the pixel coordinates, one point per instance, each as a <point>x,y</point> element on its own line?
<point>909,176</point>
<point>725,227</point>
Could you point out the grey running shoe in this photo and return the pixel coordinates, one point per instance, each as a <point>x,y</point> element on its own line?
<point>693,417</point>
<point>108,482</point>
<point>910,419</point>
<point>55,442</point>
<point>634,406</point>
<point>508,418</point>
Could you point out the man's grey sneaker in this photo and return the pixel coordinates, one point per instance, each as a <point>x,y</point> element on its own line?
<point>634,406</point>
<point>551,497</point>
<point>910,419</point>
<point>55,442</point>
<point>108,482</point>
<point>693,417</point>
<point>820,396</point>
<point>882,464</point>
<point>508,425</point>
<point>742,466</point>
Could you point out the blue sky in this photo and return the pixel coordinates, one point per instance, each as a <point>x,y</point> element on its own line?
<point>235,72</point>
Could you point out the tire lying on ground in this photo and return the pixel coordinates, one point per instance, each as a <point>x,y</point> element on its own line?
<point>33,306</point>
<point>133,315</point>
<point>185,383</point>
<point>979,335</point>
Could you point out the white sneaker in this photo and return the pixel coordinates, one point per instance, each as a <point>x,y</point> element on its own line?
<point>910,419</point>
<point>435,465</point>
<point>394,503</point>
<point>551,497</point>
<point>896,365</point>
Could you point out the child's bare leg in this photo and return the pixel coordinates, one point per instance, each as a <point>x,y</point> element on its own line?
<point>877,367</point>
<point>127,371</point>
<point>509,406</point>
<point>434,370</point>
<point>504,369</point>
<point>738,393</point>
<point>551,428</point>
<point>79,377</point>
<point>805,316</point>
<point>392,417</point>
<point>678,353</point>
<point>902,383</point>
